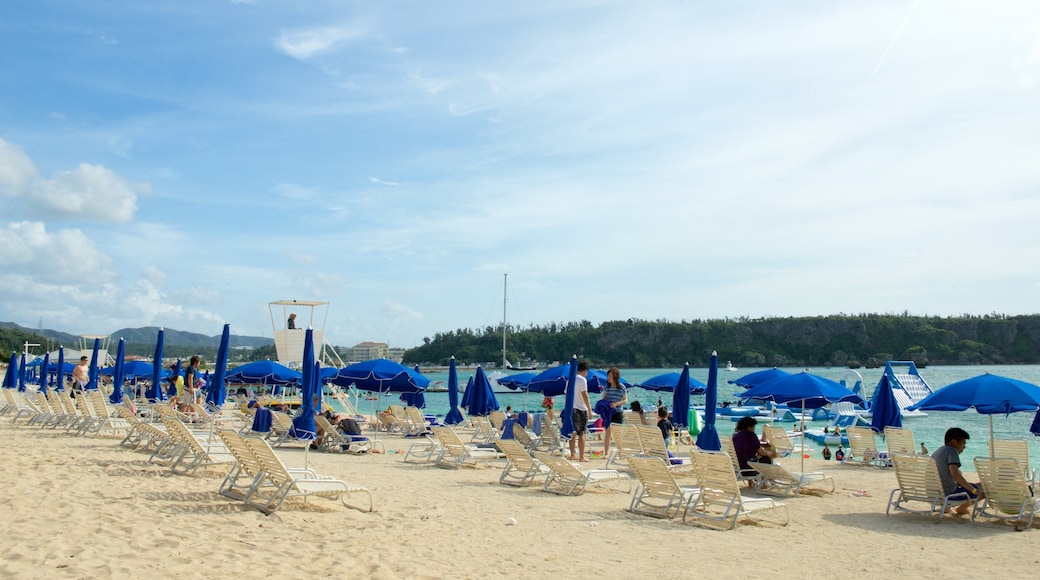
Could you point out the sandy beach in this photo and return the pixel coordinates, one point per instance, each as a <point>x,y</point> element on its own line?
<point>78,507</point>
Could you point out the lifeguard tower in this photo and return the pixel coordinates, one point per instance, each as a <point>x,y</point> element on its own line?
<point>288,343</point>
<point>86,347</point>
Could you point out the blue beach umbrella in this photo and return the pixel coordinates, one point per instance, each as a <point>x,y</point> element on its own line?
<point>1035,427</point>
<point>59,379</point>
<point>454,416</point>
<point>216,391</point>
<point>45,372</point>
<point>117,376</point>
<point>310,395</point>
<point>811,390</point>
<point>668,381</point>
<point>467,395</point>
<point>482,400</point>
<point>597,380</point>
<point>758,377</point>
<point>988,394</point>
<point>708,438</point>
<point>681,399</point>
<point>21,375</point>
<point>551,382</point>
<point>884,410</point>
<point>155,392</point>
<point>381,376</point>
<point>567,427</point>
<point>264,372</point>
<point>93,372</point>
<point>414,399</point>
<point>137,369</point>
<point>517,382</point>
<point>11,376</point>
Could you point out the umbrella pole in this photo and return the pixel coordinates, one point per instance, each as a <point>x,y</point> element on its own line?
<point>802,427</point>
<point>991,436</point>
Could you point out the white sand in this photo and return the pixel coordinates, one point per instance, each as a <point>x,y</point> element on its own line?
<point>80,507</point>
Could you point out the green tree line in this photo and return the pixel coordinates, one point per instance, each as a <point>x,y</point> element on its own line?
<point>834,340</point>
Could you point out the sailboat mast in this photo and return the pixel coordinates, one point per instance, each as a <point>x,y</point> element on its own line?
<point>505,285</point>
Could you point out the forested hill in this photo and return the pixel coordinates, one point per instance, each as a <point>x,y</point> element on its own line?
<point>837,340</point>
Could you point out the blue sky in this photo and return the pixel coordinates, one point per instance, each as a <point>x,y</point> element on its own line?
<point>184,163</point>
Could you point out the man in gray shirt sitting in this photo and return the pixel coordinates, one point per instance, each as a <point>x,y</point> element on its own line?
<point>948,460</point>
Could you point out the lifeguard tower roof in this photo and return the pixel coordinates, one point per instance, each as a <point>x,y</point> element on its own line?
<point>288,342</point>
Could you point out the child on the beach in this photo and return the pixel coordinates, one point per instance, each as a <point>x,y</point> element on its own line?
<point>665,425</point>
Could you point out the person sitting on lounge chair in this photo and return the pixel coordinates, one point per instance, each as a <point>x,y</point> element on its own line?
<point>749,447</point>
<point>948,460</point>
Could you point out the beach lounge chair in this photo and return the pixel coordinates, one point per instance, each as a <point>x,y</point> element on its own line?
<point>21,406</point>
<point>625,443</point>
<point>1017,449</point>
<point>336,440</point>
<point>863,448</point>
<point>1008,495</point>
<point>549,436</point>
<point>190,452</point>
<point>738,472</point>
<point>103,415</point>
<point>286,484</point>
<point>246,473</point>
<point>521,469</point>
<point>140,433</point>
<point>900,440</point>
<point>423,450</point>
<point>657,495</point>
<point>524,437</point>
<point>417,424</point>
<point>454,453</point>
<point>720,504</point>
<point>485,432</point>
<point>774,479</point>
<point>777,437</point>
<point>918,479</point>
<point>651,441</point>
<point>565,478</point>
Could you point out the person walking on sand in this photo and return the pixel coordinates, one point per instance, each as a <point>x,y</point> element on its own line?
<point>581,412</point>
<point>81,374</point>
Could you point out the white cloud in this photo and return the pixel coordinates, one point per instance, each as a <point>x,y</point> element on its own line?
<point>89,192</point>
<point>17,171</point>
<point>67,257</point>
<point>306,43</point>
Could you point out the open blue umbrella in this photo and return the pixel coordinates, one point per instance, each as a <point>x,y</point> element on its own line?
<point>668,381</point>
<point>11,376</point>
<point>44,373</point>
<point>381,376</point>
<point>414,399</point>
<point>551,382</point>
<point>483,400</point>
<point>988,394</point>
<point>708,438</point>
<point>567,417</point>
<point>454,416</point>
<point>758,377</point>
<point>517,382</point>
<point>884,409</point>
<point>811,390</point>
<point>681,399</point>
<point>93,372</point>
<point>134,369</point>
<point>117,376</point>
<point>155,392</point>
<point>264,372</point>
<point>310,395</point>
<point>216,390</point>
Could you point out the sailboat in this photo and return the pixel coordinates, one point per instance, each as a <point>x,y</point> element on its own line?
<point>505,330</point>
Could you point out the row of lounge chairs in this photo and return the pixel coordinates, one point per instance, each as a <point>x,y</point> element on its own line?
<point>186,443</point>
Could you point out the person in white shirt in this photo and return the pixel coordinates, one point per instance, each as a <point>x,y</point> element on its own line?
<point>581,412</point>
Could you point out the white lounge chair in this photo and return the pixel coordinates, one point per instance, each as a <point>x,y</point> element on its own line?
<point>658,495</point>
<point>521,469</point>
<point>773,479</point>
<point>720,503</point>
<point>567,479</point>
<point>1008,495</point>
<point>919,483</point>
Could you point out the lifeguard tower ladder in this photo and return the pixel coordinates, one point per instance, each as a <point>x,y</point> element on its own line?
<point>288,343</point>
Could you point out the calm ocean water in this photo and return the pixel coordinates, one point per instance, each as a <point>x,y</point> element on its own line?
<point>928,430</point>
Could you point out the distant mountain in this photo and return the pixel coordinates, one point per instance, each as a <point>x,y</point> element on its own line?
<point>147,335</point>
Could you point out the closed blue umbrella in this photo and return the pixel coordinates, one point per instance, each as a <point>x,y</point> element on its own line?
<point>483,400</point>
<point>59,379</point>
<point>11,376</point>
<point>216,391</point>
<point>668,381</point>
<point>155,392</point>
<point>708,438</point>
<point>21,375</point>
<point>454,416</point>
<point>45,372</point>
<point>884,409</point>
<point>1035,427</point>
<point>310,396</point>
<point>467,396</point>
<point>681,399</point>
<point>988,394</point>
<point>567,427</point>
<point>93,372</point>
<point>117,376</point>
<point>758,377</point>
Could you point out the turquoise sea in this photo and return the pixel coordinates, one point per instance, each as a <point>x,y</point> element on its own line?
<point>928,430</point>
